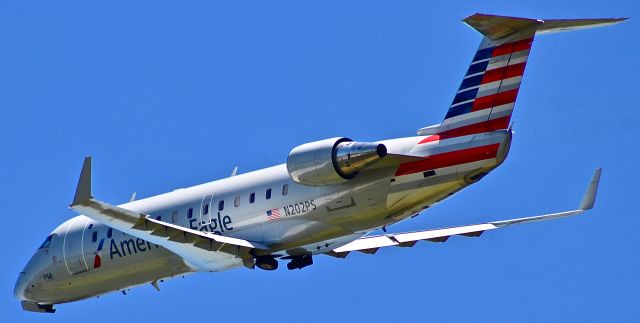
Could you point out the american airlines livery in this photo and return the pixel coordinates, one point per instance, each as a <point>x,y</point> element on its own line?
<point>325,200</point>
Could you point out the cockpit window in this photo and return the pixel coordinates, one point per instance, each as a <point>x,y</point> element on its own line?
<point>46,242</point>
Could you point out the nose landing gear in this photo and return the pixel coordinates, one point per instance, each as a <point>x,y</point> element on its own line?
<point>35,307</point>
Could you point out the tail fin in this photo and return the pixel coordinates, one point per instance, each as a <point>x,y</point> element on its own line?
<point>485,99</point>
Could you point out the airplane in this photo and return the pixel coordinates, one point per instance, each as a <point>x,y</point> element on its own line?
<point>327,199</point>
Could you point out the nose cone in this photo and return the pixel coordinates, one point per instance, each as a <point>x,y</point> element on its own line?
<point>31,278</point>
<point>26,282</point>
<point>19,288</point>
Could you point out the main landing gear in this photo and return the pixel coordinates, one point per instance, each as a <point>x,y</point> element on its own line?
<point>297,262</point>
<point>267,263</point>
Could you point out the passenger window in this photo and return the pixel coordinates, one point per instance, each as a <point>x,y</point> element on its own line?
<point>252,197</point>
<point>221,205</point>
<point>109,233</point>
<point>90,226</point>
<point>94,236</point>
<point>190,213</point>
<point>285,189</point>
<point>236,201</point>
<point>205,209</point>
<point>268,194</point>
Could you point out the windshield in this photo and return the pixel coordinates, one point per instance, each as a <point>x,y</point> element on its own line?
<point>46,242</point>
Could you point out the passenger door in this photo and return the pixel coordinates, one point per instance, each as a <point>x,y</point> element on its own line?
<point>72,250</point>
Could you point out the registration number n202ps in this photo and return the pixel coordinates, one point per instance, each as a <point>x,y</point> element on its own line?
<point>299,208</point>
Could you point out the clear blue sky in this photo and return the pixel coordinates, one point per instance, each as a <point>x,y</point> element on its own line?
<point>168,94</point>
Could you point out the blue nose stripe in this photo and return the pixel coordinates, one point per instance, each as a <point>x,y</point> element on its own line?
<point>101,244</point>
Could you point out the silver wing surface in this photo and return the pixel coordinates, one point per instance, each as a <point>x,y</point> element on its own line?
<point>371,244</point>
<point>200,250</point>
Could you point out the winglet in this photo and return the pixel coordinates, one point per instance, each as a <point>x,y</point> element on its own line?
<point>83,191</point>
<point>589,198</point>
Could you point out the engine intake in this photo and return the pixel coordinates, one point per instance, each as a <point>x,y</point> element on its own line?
<point>332,161</point>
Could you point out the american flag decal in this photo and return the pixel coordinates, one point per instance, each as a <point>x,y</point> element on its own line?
<point>273,214</point>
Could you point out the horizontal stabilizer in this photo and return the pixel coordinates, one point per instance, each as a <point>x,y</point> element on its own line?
<point>508,28</point>
<point>559,25</point>
<point>498,27</point>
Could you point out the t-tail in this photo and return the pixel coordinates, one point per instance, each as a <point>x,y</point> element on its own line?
<point>485,100</point>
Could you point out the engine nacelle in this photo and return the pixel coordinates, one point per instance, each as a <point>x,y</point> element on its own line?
<point>332,161</point>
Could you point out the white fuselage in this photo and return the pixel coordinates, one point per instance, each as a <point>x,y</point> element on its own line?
<point>85,258</point>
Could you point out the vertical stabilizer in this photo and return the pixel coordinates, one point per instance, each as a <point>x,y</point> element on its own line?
<point>486,97</point>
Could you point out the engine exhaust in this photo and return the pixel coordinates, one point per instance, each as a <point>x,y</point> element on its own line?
<point>351,157</point>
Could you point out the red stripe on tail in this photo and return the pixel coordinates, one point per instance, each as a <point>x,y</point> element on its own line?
<point>480,127</point>
<point>502,73</point>
<point>509,48</point>
<point>449,159</point>
<point>494,100</point>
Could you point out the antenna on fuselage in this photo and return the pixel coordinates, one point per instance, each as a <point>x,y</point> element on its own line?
<point>234,172</point>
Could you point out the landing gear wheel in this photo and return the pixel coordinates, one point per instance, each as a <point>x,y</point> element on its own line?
<point>267,263</point>
<point>299,262</point>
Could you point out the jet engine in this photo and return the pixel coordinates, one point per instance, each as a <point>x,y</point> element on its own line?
<point>332,161</point>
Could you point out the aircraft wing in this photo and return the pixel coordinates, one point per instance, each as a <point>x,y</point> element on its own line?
<point>202,250</point>
<point>371,244</point>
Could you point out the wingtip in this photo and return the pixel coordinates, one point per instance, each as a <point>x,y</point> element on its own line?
<point>589,199</point>
<point>614,21</point>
